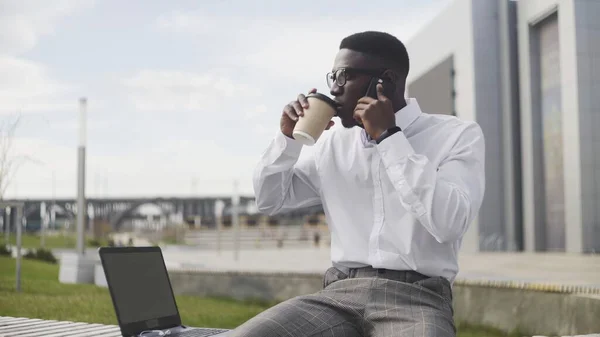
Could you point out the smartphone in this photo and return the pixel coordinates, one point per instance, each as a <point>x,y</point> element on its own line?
<point>388,87</point>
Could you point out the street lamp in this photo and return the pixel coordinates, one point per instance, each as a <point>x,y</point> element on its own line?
<point>235,218</point>
<point>219,207</point>
<point>81,209</point>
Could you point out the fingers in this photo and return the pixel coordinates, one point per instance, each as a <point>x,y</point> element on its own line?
<point>299,110</point>
<point>296,108</point>
<point>380,95</point>
<point>290,111</point>
<point>366,100</point>
<point>302,99</point>
<point>358,113</point>
<point>358,120</point>
<point>361,106</point>
<point>302,102</point>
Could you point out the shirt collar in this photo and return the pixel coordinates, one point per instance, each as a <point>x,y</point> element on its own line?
<point>407,115</point>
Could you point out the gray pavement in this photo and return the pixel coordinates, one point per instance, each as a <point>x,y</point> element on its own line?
<point>544,268</point>
<point>550,268</point>
<point>547,268</point>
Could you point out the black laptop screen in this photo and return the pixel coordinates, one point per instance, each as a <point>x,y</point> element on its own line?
<point>140,286</point>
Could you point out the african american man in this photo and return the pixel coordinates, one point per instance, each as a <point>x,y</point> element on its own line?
<point>399,188</point>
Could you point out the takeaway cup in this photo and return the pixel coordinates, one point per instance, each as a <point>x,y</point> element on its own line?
<point>309,127</point>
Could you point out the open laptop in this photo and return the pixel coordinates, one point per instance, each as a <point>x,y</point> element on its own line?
<point>142,296</point>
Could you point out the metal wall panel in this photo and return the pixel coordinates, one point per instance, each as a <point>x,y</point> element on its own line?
<point>434,90</point>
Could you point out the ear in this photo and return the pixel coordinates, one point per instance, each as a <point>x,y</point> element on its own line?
<point>391,76</point>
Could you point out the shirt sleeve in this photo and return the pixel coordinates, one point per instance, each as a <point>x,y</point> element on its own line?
<point>445,199</point>
<point>283,179</point>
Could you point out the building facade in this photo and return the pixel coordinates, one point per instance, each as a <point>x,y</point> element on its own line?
<point>528,72</point>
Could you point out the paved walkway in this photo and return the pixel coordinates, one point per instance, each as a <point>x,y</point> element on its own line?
<point>552,268</point>
<point>548,268</point>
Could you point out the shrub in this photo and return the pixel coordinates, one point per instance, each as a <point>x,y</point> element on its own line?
<point>41,254</point>
<point>30,254</point>
<point>94,243</point>
<point>4,250</point>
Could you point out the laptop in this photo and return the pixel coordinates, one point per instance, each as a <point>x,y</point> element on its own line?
<point>142,295</point>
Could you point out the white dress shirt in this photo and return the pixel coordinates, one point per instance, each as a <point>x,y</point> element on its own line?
<point>403,204</point>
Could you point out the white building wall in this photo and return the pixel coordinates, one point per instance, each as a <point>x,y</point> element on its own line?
<point>475,33</point>
<point>450,33</point>
<point>469,30</point>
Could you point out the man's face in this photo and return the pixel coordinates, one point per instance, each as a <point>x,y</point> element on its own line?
<point>355,83</point>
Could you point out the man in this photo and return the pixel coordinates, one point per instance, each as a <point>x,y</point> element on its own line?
<point>399,189</point>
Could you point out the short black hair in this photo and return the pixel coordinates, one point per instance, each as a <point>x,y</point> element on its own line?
<point>380,44</point>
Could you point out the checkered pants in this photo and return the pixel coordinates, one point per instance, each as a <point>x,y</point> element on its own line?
<point>367,302</point>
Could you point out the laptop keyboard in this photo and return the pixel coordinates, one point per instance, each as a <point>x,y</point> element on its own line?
<point>199,332</point>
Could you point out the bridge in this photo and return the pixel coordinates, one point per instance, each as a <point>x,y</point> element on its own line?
<point>115,211</point>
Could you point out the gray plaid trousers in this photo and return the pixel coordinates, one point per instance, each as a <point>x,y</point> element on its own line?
<point>369,302</point>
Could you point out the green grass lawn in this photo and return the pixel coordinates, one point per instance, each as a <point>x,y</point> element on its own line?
<point>44,297</point>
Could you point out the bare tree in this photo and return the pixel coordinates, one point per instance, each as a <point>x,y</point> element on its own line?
<point>9,161</point>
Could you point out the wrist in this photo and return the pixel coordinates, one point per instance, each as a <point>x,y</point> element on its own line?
<point>380,131</point>
<point>287,133</point>
<point>387,133</point>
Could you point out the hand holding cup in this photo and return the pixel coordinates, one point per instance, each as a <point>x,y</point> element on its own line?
<point>295,113</point>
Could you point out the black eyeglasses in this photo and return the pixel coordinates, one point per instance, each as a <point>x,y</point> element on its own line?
<point>339,76</point>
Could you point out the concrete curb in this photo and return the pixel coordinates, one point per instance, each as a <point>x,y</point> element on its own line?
<point>543,308</point>
<point>533,286</point>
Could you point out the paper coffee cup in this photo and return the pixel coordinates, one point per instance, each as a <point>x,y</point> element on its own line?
<point>309,127</point>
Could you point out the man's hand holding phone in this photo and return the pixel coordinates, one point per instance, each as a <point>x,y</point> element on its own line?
<point>375,115</point>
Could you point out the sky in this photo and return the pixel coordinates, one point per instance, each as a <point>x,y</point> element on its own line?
<point>183,96</point>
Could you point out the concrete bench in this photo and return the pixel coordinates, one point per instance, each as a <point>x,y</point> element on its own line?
<point>32,327</point>
<point>28,327</point>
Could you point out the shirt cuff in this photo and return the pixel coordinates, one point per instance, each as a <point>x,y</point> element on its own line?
<point>288,145</point>
<point>394,149</point>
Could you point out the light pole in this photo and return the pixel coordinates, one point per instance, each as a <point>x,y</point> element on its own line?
<point>52,215</point>
<point>43,223</point>
<point>81,209</point>
<point>7,225</point>
<point>46,210</point>
<point>19,228</point>
<point>18,207</point>
<point>235,218</point>
<point>219,206</point>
